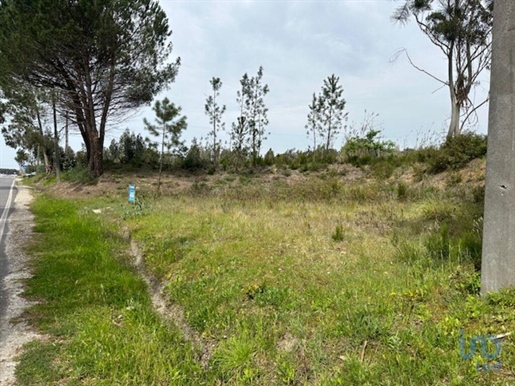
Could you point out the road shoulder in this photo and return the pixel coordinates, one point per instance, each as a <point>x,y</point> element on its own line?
<point>14,333</point>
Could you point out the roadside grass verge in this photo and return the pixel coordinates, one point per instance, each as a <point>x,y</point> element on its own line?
<point>95,311</point>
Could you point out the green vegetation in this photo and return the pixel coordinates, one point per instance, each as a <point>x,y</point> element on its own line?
<point>129,40</point>
<point>95,309</point>
<point>456,152</point>
<point>322,280</point>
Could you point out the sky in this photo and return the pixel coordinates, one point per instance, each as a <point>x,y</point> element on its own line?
<point>299,44</point>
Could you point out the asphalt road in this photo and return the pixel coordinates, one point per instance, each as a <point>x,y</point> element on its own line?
<point>7,194</point>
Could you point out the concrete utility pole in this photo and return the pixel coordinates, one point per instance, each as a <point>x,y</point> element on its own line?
<point>498,260</point>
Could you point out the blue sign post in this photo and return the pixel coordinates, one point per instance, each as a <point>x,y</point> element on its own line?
<point>132,193</point>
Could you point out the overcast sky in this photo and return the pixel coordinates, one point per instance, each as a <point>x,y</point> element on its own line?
<point>299,44</point>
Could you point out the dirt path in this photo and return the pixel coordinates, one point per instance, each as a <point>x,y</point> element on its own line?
<point>14,333</point>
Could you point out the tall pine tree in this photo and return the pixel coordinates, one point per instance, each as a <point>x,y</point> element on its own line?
<point>214,111</point>
<point>169,126</point>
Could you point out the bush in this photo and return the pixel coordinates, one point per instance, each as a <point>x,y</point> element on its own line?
<point>362,148</point>
<point>338,233</point>
<point>78,174</point>
<point>458,151</point>
<point>383,168</point>
<point>402,191</point>
<point>196,158</point>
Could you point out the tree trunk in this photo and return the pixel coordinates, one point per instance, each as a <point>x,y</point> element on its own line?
<point>57,165</point>
<point>95,159</point>
<point>215,147</point>
<point>48,165</point>
<point>161,160</point>
<point>66,140</point>
<point>454,125</point>
<point>329,131</point>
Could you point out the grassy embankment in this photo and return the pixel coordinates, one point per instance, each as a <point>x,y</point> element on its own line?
<point>320,281</point>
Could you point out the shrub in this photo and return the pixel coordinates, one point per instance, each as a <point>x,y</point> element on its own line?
<point>338,233</point>
<point>78,174</point>
<point>196,158</point>
<point>269,158</point>
<point>383,168</point>
<point>402,191</point>
<point>456,152</point>
<point>361,149</point>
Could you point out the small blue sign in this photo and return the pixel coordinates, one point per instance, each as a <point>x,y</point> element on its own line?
<point>132,193</point>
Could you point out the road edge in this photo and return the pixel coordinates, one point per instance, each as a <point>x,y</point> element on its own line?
<point>15,332</point>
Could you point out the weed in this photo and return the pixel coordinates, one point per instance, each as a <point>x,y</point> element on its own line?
<point>286,371</point>
<point>478,195</point>
<point>286,172</point>
<point>454,179</point>
<point>139,208</point>
<point>234,358</point>
<point>402,191</point>
<point>200,188</point>
<point>438,244</point>
<point>410,251</point>
<point>338,233</point>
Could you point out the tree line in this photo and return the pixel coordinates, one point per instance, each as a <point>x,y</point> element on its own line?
<point>89,64</point>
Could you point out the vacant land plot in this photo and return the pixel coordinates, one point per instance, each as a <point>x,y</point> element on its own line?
<point>320,281</point>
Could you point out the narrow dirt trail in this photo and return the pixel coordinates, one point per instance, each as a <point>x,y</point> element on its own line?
<point>168,311</point>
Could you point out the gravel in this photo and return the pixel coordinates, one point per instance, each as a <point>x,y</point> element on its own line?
<point>14,332</point>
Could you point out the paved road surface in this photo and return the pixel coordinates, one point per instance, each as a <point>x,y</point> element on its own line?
<point>7,194</point>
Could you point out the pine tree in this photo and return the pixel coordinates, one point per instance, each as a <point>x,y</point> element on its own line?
<point>332,105</point>
<point>240,128</point>
<point>314,121</point>
<point>169,127</point>
<point>248,133</point>
<point>256,113</point>
<point>214,111</point>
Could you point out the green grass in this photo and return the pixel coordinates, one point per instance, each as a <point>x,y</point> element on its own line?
<point>315,283</point>
<point>96,311</point>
